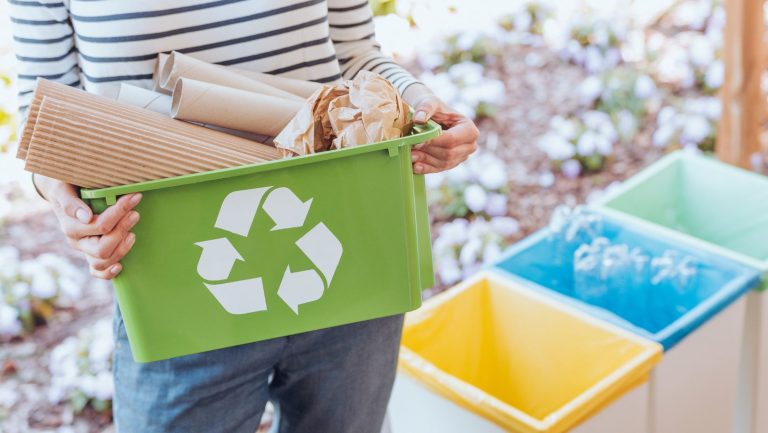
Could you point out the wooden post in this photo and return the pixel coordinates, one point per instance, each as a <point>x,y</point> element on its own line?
<point>738,136</point>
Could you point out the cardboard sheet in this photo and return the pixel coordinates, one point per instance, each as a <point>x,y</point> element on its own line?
<point>213,104</point>
<point>95,142</point>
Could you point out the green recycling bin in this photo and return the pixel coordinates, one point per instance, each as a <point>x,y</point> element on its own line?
<point>699,201</point>
<point>249,253</point>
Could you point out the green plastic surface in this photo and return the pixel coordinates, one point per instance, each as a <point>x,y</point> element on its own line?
<point>367,197</point>
<point>701,200</point>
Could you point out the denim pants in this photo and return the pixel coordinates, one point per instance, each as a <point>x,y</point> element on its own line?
<point>335,380</point>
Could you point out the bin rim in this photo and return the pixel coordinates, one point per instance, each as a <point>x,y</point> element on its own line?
<point>613,385</point>
<point>602,205</point>
<point>421,134</point>
<point>746,279</point>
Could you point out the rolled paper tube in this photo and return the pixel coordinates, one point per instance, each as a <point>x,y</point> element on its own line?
<point>97,148</point>
<point>213,140</point>
<point>301,88</point>
<point>161,59</point>
<point>180,66</point>
<point>212,104</point>
<point>144,98</point>
<point>160,103</point>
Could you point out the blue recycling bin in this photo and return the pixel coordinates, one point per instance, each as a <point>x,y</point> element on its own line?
<point>694,387</point>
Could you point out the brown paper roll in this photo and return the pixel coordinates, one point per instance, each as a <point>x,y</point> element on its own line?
<point>180,66</point>
<point>212,104</point>
<point>97,148</point>
<point>144,98</point>
<point>161,59</point>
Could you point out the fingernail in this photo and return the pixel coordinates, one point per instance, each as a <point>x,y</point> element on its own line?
<point>130,239</point>
<point>135,199</point>
<point>418,168</point>
<point>114,269</point>
<point>83,215</point>
<point>420,117</point>
<point>414,157</point>
<point>133,218</point>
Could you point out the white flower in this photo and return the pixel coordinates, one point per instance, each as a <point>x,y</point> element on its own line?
<point>566,128</point>
<point>556,147</point>
<point>663,135</point>
<point>701,52</point>
<point>587,144</point>
<point>9,321</point>
<point>627,124</point>
<point>20,289</point>
<point>546,179</point>
<point>715,75</point>
<point>571,168</point>
<point>491,253</point>
<point>645,87</point>
<point>496,205</point>
<point>695,129</point>
<point>470,73</point>
<point>43,285</point>
<point>505,226</point>
<point>590,89</point>
<point>493,172</point>
<point>475,197</point>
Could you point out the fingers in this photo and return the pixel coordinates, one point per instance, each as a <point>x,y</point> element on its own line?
<point>64,197</point>
<point>462,131</point>
<point>425,109</point>
<point>433,159</point>
<point>102,247</point>
<point>108,268</point>
<point>74,229</point>
<point>108,219</point>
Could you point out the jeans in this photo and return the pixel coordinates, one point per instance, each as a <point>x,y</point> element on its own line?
<point>335,380</point>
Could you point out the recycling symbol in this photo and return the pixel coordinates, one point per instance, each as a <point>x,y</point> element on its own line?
<point>297,287</point>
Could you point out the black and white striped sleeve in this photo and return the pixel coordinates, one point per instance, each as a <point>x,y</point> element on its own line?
<point>44,43</point>
<point>353,35</point>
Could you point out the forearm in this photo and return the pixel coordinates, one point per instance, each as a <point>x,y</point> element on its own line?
<point>352,33</point>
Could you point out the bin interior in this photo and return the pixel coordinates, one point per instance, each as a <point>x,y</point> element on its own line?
<point>665,312</point>
<point>704,198</point>
<point>528,354</point>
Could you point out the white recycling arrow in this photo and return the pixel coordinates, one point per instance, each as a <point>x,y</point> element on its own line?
<point>323,249</point>
<point>285,209</point>
<point>240,297</point>
<point>238,209</point>
<point>217,259</point>
<point>298,288</point>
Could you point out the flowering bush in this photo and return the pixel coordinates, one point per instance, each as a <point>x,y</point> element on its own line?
<point>688,123</point>
<point>528,17</point>
<point>478,186</point>
<point>466,88</point>
<point>462,246</point>
<point>81,369</point>
<point>31,289</point>
<point>592,42</point>
<point>7,112</point>
<point>579,144</point>
<point>688,60</point>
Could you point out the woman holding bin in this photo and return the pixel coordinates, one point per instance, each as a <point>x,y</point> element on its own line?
<point>336,380</point>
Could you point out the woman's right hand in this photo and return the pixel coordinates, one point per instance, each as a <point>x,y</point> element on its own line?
<point>104,238</point>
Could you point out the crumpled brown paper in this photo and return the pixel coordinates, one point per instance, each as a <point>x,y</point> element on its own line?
<point>365,110</point>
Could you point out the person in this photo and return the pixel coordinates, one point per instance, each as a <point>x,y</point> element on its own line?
<point>335,380</point>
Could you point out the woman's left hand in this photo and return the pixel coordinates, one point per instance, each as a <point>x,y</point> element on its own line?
<point>453,146</point>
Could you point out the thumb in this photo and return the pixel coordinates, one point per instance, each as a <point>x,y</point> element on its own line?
<point>425,109</point>
<point>66,198</point>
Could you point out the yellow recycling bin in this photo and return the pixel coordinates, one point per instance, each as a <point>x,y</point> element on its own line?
<point>491,356</point>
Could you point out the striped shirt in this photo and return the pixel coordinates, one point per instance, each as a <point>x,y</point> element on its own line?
<point>97,44</point>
